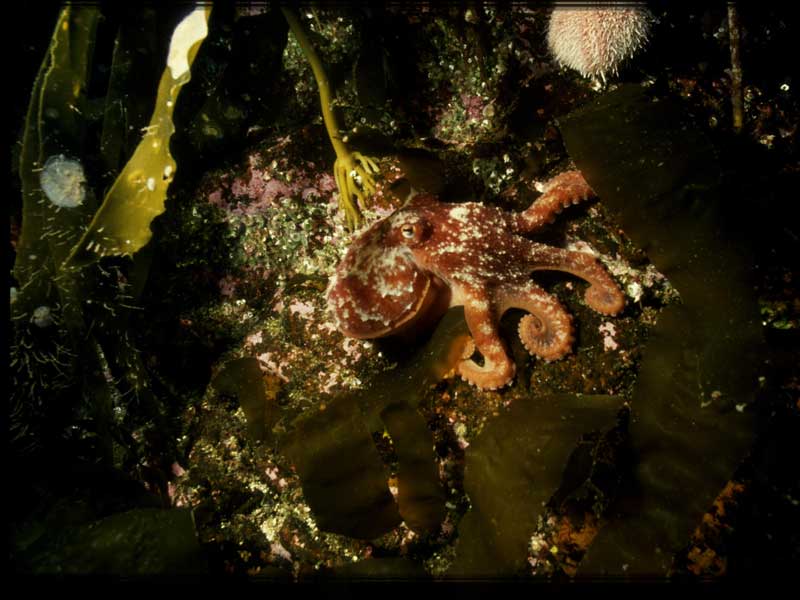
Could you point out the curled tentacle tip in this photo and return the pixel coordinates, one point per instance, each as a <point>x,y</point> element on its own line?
<point>483,378</point>
<point>605,300</point>
<point>546,342</point>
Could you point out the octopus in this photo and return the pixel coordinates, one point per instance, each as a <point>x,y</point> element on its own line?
<point>404,271</point>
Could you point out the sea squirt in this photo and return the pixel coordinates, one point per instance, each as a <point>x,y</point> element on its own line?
<point>404,270</point>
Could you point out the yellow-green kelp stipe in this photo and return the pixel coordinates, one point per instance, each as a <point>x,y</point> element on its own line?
<point>352,170</point>
<point>122,224</point>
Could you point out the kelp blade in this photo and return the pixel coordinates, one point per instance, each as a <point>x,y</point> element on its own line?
<point>53,126</point>
<point>420,495</point>
<point>513,468</point>
<point>122,224</point>
<point>243,379</point>
<point>690,425</point>
<point>343,478</point>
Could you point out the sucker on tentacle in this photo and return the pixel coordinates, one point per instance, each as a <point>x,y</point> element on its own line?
<point>561,191</point>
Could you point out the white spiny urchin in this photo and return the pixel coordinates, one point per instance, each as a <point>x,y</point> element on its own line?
<point>595,39</point>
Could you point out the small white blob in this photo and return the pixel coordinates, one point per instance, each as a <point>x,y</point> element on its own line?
<point>42,317</point>
<point>63,181</point>
<point>634,290</point>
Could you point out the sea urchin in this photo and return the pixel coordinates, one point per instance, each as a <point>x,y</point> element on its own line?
<point>594,40</point>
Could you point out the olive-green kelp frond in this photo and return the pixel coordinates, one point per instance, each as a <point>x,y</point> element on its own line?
<point>46,313</point>
<point>136,65</point>
<point>56,201</point>
<point>513,468</point>
<point>122,225</point>
<point>692,413</point>
<point>420,496</point>
<point>344,481</point>
<point>68,325</point>
<point>243,379</point>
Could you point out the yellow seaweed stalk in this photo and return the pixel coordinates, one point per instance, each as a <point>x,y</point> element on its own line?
<point>353,171</point>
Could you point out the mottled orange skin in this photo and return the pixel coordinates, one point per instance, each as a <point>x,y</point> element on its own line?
<point>474,256</point>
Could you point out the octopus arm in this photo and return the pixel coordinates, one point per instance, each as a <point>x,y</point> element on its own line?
<point>603,295</point>
<point>546,332</point>
<point>482,319</point>
<point>561,191</point>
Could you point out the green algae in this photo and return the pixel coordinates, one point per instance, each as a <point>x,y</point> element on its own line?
<point>343,478</point>
<point>76,374</point>
<point>692,419</point>
<point>47,356</point>
<point>134,65</point>
<point>122,224</point>
<point>513,468</point>
<point>420,497</point>
<point>243,379</point>
<point>54,220</point>
<point>352,170</point>
<point>53,127</point>
<point>53,225</point>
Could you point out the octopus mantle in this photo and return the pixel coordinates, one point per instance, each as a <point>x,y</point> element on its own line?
<point>406,269</point>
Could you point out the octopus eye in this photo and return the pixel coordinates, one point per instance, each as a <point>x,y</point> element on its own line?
<point>408,231</point>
